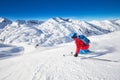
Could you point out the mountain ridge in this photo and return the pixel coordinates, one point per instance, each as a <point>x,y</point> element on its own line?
<point>54,31</point>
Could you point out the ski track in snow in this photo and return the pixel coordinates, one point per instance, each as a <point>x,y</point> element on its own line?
<point>50,64</point>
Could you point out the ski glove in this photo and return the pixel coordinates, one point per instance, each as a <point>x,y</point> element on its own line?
<point>75,55</point>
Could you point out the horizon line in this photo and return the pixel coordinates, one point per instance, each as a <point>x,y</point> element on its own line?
<point>75,18</point>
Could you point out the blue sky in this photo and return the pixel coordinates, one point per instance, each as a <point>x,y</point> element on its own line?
<point>45,9</point>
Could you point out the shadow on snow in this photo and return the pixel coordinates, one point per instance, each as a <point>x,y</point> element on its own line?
<point>7,51</point>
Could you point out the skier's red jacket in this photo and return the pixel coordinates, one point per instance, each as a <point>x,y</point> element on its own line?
<point>80,45</point>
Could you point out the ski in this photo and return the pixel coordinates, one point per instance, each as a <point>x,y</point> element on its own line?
<point>101,59</point>
<point>91,57</point>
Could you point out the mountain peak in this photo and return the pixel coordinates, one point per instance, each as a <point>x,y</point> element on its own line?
<point>2,19</point>
<point>59,19</point>
<point>4,22</point>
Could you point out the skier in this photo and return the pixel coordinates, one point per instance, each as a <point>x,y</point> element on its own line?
<point>36,45</point>
<point>81,47</point>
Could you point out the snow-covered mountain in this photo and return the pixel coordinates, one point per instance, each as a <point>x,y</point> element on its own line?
<point>54,31</point>
<point>110,25</point>
<point>4,22</point>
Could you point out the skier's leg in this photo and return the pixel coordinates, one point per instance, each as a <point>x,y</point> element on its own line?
<point>84,51</point>
<point>87,51</point>
<point>77,51</point>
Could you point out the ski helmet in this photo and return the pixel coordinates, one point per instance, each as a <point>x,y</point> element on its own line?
<point>73,35</point>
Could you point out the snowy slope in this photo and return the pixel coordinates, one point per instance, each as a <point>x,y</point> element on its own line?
<point>49,64</point>
<point>16,33</point>
<point>54,31</point>
<point>117,21</point>
<point>110,25</point>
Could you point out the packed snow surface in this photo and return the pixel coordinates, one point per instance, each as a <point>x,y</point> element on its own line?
<point>48,63</point>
